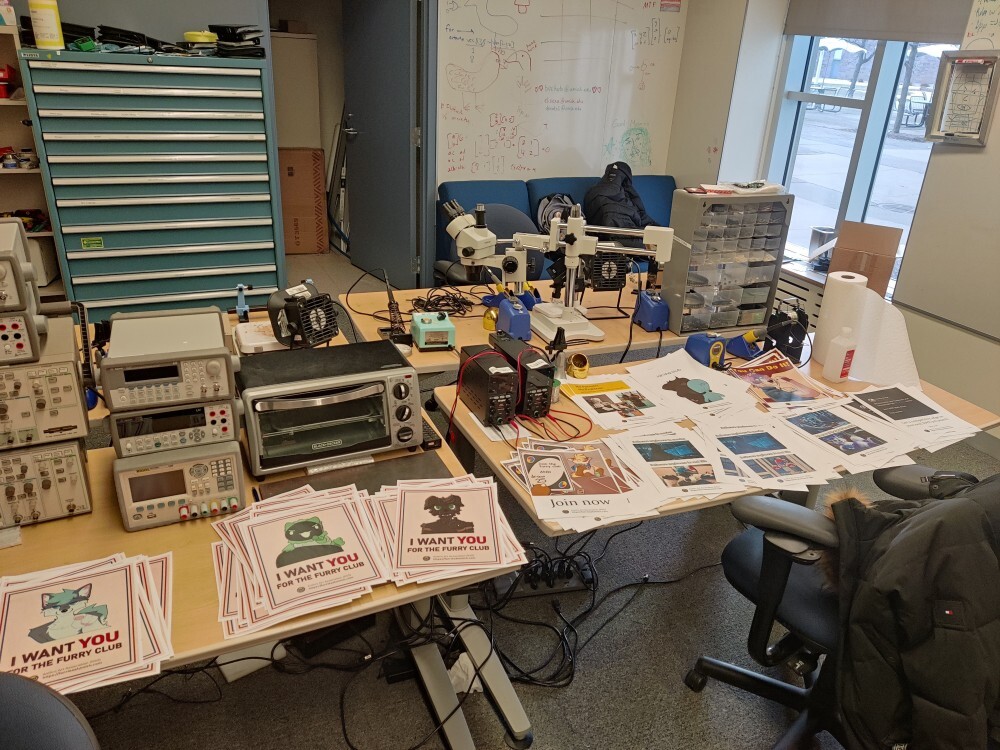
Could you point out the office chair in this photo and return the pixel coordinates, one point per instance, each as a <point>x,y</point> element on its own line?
<point>503,221</point>
<point>36,717</point>
<point>771,564</point>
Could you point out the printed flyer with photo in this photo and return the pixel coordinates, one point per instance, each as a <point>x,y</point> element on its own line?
<point>616,403</point>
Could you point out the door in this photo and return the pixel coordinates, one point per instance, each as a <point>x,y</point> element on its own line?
<point>382,98</point>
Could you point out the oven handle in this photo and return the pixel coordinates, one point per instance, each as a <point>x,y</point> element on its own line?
<point>279,404</point>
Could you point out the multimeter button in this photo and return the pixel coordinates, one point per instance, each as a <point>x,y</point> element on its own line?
<point>404,434</point>
<point>403,413</point>
<point>204,509</point>
<point>215,508</point>
<point>183,512</point>
<point>401,390</point>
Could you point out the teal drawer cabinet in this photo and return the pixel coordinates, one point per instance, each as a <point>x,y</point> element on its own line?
<point>162,175</point>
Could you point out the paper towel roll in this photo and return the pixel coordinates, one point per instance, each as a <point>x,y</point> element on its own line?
<point>843,305</point>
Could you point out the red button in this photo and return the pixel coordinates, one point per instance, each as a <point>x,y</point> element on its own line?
<point>14,326</point>
<point>211,414</point>
<point>19,345</point>
<point>225,429</point>
<point>222,412</point>
<point>3,327</point>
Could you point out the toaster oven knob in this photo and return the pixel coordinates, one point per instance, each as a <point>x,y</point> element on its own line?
<point>403,413</point>
<point>401,391</point>
<point>404,435</point>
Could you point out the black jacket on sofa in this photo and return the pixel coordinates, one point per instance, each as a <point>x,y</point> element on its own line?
<point>613,202</point>
<point>920,609</point>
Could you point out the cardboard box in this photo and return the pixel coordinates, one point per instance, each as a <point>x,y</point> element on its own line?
<point>291,26</point>
<point>867,249</point>
<point>303,200</point>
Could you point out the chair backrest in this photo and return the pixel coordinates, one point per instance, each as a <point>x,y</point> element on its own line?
<point>35,717</point>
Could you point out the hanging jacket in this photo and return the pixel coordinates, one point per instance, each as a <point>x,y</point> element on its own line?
<point>920,621</point>
<point>613,202</point>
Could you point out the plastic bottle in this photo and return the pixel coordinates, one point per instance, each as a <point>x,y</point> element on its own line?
<point>45,24</point>
<point>839,356</point>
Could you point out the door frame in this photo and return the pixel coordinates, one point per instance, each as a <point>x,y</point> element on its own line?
<point>426,209</point>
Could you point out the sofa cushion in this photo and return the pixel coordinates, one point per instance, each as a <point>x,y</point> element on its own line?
<point>657,193</point>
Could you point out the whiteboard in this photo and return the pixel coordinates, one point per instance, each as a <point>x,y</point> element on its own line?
<point>553,88</point>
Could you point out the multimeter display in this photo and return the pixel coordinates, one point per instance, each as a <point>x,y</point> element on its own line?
<point>150,424</point>
<point>155,486</point>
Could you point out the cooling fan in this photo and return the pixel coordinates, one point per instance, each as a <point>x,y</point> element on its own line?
<point>608,272</point>
<point>302,317</point>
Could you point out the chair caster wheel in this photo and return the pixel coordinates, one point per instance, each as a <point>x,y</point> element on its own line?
<point>695,680</point>
<point>521,744</point>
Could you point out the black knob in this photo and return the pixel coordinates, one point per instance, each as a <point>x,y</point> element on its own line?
<point>403,413</point>
<point>29,488</point>
<point>40,403</point>
<point>46,484</point>
<point>404,435</point>
<point>509,265</point>
<point>468,252</point>
<point>442,316</point>
<point>3,408</point>
<point>401,391</point>
<point>9,490</point>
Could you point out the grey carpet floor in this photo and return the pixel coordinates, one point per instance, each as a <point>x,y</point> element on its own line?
<point>627,692</point>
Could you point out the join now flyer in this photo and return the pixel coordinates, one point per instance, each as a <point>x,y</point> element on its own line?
<point>70,629</point>
<point>453,526</point>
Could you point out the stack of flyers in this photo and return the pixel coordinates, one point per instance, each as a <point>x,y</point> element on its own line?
<point>86,625</point>
<point>615,402</point>
<point>770,455</point>
<point>686,387</point>
<point>910,410</point>
<point>779,385</point>
<point>436,529</point>
<point>296,553</point>
<point>857,442</point>
<point>580,486</point>
<point>679,461</point>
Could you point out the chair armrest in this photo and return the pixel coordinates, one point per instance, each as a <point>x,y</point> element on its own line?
<point>772,514</point>
<point>918,482</point>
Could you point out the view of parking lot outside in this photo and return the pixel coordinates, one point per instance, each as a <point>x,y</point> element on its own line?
<point>842,68</point>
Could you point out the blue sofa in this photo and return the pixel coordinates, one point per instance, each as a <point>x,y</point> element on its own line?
<point>656,191</point>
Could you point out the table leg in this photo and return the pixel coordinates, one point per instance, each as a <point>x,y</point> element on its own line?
<point>464,450</point>
<point>492,674</point>
<point>440,692</point>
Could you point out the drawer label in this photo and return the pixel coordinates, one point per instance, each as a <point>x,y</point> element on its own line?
<point>92,243</point>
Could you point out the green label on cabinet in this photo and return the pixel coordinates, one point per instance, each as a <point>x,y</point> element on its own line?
<point>92,243</point>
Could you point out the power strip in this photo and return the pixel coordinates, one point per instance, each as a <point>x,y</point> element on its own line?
<point>560,585</point>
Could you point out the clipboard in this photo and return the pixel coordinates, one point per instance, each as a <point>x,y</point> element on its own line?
<point>964,97</point>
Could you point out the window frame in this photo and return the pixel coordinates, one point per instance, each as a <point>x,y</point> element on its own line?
<point>798,61</point>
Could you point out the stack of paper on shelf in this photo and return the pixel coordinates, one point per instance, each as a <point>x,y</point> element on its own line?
<point>434,529</point>
<point>306,550</point>
<point>582,485</point>
<point>90,624</point>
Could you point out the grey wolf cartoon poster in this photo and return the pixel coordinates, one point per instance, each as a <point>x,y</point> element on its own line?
<point>69,613</point>
<point>307,539</point>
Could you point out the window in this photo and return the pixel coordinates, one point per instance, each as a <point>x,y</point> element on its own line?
<point>848,136</point>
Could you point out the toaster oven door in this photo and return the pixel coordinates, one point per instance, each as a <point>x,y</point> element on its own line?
<point>325,423</point>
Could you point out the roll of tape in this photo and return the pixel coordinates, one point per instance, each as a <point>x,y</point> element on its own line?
<point>578,366</point>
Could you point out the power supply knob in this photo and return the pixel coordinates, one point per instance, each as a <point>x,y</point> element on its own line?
<point>213,368</point>
<point>40,403</point>
<point>9,490</point>
<point>46,484</point>
<point>404,435</point>
<point>403,413</point>
<point>401,391</point>
<point>29,488</point>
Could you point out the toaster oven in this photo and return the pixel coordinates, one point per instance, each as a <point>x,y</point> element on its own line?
<point>309,406</point>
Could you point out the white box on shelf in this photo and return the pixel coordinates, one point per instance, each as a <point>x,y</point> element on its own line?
<point>42,256</point>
